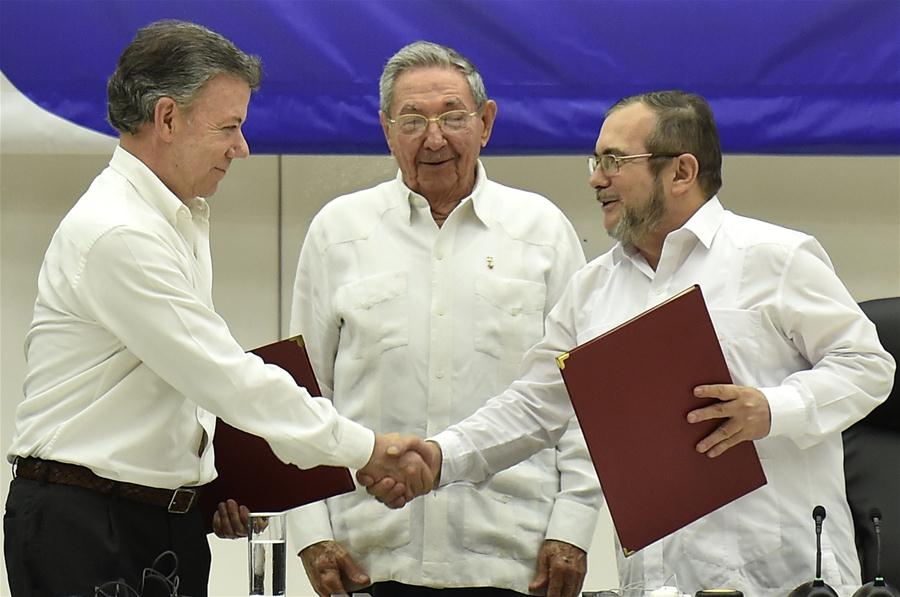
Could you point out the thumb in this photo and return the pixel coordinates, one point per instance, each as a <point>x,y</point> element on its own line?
<point>542,578</point>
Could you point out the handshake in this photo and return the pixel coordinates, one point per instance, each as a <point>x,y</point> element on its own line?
<point>402,467</point>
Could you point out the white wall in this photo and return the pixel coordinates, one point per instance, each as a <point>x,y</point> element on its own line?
<point>263,208</point>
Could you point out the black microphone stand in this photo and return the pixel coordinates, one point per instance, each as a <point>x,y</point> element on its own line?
<point>877,587</point>
<point>817,587</point>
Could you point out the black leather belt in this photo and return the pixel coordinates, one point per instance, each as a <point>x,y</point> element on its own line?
<point>176,501</point>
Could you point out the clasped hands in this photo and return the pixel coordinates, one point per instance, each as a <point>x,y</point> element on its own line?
<point>401,468</point>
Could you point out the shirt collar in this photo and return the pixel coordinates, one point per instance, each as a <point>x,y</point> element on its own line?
<point>153,190</point>
<point>480,204</point>
<point>706,221</point>
<point>703,224</point>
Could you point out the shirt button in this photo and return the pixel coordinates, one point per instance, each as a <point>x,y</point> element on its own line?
<point>439,374</point>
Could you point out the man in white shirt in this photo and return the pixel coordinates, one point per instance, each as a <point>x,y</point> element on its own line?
<point>417,299</point>
<point>805,361</point>
<point>128,363</point>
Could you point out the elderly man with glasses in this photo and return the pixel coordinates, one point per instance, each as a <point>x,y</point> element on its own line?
<point>417,299</point>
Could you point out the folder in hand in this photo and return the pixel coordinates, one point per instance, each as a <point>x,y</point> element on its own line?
<point>250,473</point>
<point>631,389</point>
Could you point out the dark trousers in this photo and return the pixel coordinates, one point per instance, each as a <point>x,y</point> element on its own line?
<point>61,540</point>
<point>395,589</point>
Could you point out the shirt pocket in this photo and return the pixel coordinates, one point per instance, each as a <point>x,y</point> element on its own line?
<point>508,516</point>
<point>747,531</point>
<point>374,314</point>
<point>364,524</point>
<point>509,316</point>
<point>739,331</point>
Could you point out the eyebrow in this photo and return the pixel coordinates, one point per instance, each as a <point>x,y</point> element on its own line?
<point>611,151</point>
<point>412,108</point>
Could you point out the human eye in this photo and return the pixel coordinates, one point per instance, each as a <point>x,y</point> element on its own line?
<point>455,119</point>
<point>609,162</point>
<point>411,124</point>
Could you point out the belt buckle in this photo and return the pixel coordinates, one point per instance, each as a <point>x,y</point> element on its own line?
<point>173,507</point>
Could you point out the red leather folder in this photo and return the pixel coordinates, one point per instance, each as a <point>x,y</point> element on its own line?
<point>251,474</point>
<point>632,388</point>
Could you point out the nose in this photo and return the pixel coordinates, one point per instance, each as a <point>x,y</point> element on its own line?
<point>598,179</point>
<point>434,136</point>
<point>240,149</point>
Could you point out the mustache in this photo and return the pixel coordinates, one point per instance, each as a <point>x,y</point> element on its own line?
<point>603,196</point>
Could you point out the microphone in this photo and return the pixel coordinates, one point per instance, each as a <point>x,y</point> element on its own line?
<point>817,587</point>
<point>877,587</point>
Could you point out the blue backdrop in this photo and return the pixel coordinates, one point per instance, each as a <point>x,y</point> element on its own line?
<point>783,76</point>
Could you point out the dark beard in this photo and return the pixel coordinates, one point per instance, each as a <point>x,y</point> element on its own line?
<point>636,223</point>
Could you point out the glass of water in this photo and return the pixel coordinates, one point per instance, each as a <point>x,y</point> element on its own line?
<point>267,553</point>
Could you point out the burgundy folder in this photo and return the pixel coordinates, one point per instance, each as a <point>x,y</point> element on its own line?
<point>251,474</point>
<point>632,388</point>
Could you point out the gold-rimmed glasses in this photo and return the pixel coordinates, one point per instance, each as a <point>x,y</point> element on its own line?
<point>609,164</point>
<point>413,125</point>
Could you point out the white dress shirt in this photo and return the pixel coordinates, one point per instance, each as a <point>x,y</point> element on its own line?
<point>412,327</point>
<point>127,360</point>
<point>788,326</point>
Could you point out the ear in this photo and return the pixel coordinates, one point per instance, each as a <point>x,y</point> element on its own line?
<point>166,114</point>
<point>684,175</point>
<point>488,115</point>
<point>386,127</point>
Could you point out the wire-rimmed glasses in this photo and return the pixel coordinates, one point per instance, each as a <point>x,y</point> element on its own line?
<point>609,164</point>
<point>413,125</point>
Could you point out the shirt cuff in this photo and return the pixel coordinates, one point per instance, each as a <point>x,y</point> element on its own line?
<point>787,410</point>
<point>307,525</point>
<point>355,447</point>
<point>573,523</point>
<point>453,456</point>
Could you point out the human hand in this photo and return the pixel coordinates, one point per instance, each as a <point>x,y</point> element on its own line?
<point>231,521</point>
<point>745,409</point>
<point>560,569</point>
<point>401,468</point>
<point>331,569</point>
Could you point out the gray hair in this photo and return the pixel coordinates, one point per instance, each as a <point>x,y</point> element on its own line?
<point>423,54</point>
<point>172,59</point>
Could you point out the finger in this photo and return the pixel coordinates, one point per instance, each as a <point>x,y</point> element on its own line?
<point>352,571</point>
<point>541,578</point>
<point>238,517</point>
<point>330,576</point>
<point>398,492</point>
<point>364,479</point>
<point>722,433</point>
<point>719,390</point>
<point>723,446</point>
<point>222,523</point>
<point>217,526</point>
<point>556,583</point>
<point>718,410</point>
<point>397,504</point>
<point>382,487</point>
<point>244,516</point>
<point>418,475</point>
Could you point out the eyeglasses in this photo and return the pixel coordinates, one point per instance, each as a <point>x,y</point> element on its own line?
<point>610,164</point>
<point>414,125</point>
